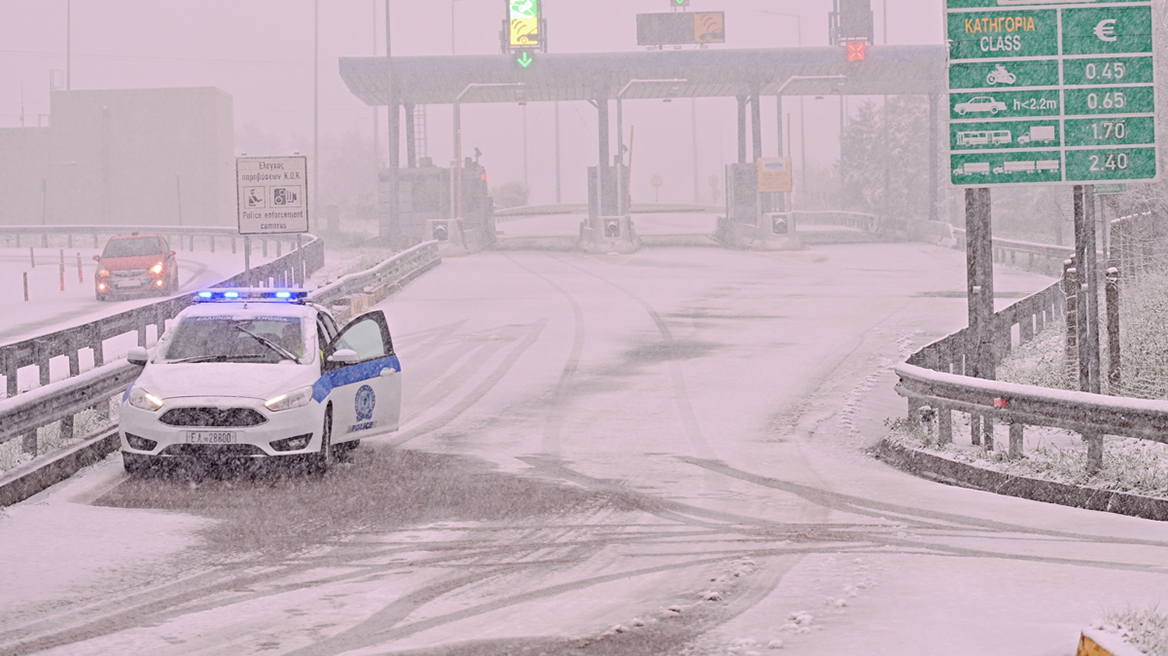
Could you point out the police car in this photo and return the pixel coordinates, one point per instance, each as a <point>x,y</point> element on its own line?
<point>260,374</point>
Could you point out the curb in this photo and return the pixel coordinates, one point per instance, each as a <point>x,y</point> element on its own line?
<point>950,472</point>
<point>30,478</point>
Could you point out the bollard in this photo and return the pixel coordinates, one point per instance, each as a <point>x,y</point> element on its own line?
<point>80,271</point>
<point>944,426</point>
<point>62,275</point>
<point>26,286</point>
<point>31,257</point>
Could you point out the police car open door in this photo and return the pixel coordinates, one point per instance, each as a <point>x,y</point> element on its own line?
<point>366,390</point>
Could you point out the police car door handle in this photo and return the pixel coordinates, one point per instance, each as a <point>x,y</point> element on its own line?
<point>388,371</point>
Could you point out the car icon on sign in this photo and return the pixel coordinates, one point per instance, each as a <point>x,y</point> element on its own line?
<point>980,104</point>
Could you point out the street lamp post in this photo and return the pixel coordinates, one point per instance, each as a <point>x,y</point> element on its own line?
<point>458,136</point>
<point>798,43</point>
<point>620,141</point>
<point>452,25</point>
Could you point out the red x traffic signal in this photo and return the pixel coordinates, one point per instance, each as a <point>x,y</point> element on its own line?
<point>857,50</point>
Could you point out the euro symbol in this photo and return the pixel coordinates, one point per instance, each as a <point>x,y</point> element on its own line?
<point>1105,30</point>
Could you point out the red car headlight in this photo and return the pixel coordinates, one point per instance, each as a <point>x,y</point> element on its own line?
<point>156,269</point>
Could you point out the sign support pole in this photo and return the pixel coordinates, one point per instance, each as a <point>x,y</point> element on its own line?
<point>247,260</point>
<point>979,252</point>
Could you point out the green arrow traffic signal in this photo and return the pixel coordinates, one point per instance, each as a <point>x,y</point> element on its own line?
<point>525,59</point>
<point>680,3</point>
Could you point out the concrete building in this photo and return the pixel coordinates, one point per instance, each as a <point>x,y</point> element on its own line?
<point>130,156</point>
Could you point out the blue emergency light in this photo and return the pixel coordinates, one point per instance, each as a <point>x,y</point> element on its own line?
<point>230,294</point>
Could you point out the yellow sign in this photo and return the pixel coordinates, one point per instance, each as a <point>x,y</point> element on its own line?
<point>524,32</point>
<point>774,174</point>
<point>709,27</point>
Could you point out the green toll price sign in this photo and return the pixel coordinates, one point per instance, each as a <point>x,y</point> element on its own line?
<point>1051,92</point>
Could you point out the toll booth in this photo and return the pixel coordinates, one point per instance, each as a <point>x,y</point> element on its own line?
<point>604,202</point>
<point>754,220</point>
<point>427,208</point>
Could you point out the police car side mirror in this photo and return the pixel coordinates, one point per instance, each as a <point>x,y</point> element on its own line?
<point>137,355</point>
<point>344,356</point>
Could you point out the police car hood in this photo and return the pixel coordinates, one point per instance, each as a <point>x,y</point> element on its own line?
<point>224,379</point>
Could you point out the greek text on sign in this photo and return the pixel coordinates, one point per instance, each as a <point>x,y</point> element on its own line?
<point>272,194</point>
<point>1050,91</point>
<point>774,174</point>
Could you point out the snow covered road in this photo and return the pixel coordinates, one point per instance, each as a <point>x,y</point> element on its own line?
<point>651,454</point>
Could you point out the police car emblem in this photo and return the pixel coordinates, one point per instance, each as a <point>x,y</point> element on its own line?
<point>364,403</point>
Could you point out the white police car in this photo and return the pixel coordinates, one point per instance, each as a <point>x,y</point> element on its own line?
<point>260,373</point>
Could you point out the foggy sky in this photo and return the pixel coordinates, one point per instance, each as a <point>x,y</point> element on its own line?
<point>261,52</point>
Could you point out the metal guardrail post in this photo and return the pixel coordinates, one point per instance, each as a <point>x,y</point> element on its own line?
<point>1114,384</point>
<point>1016,434</point>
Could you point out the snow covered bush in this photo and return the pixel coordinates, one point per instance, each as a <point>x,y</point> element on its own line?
<point>1144,628</point>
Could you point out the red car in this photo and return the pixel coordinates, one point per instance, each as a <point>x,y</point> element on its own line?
<point>136,264</point>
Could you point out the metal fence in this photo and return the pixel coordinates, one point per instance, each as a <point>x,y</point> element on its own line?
<point>1139,244</point>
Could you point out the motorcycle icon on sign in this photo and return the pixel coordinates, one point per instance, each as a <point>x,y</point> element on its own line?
<point>1001,76</point>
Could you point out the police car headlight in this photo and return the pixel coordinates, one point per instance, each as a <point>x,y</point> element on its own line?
<point>295,399</point>
<point>143,400</point>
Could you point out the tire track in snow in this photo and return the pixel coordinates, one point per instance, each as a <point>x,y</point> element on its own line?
<point>689,420</point>
<point>475,395</point>
<point>555,416</point>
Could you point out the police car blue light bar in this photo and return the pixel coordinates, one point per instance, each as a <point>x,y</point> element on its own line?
<point>236,294</point>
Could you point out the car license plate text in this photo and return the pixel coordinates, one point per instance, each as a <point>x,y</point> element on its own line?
<point>210,437</point>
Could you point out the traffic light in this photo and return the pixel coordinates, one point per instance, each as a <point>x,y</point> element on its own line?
<point>524,59</point>
<point>779,224</point>
<point>857,50</point>
<point>441,233</point>
<point>612,228</point>
<point>678,3</point>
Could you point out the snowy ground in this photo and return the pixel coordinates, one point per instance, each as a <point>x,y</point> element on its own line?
<point>650,454</point>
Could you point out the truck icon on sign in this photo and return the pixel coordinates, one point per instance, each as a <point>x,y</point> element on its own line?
<point>1038,134</point>
<point>973,168</point>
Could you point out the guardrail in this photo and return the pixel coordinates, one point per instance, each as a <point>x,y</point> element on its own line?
<point>49,236</point>
<point>934,377</point>
<point>60,401</point>
<point>857,220</point>
<point>1045,258</point>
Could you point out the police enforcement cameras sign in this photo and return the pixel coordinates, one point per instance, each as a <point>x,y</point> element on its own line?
<point>272,194</point>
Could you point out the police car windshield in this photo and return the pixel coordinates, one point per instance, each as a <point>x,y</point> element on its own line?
<point>232,339</point>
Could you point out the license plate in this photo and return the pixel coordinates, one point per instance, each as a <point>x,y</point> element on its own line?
<point>210,437</point>
<point>127,284</point>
